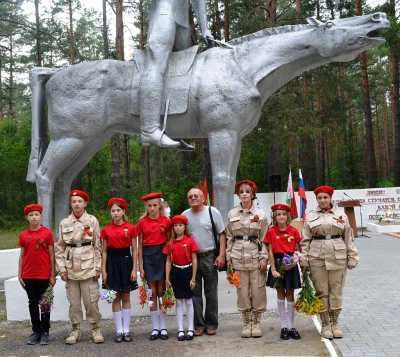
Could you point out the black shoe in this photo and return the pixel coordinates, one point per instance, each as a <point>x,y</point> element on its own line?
<point>164,336</point>
<point>119,337</point>
<point>44,338</point>
<point>181,336</point>
<point>189,335</point>
<point>154,335</point>
<point>127,337</point>
<point>34,338</point>
<point>294,334</point>
<point>284,334</point>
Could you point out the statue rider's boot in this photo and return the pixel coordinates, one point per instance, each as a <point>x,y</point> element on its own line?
<point>154,135</point>
<point>150,97</point>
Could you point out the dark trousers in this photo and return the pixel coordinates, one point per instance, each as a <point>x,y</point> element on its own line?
<point>35,288</point>
<point>207,276</point>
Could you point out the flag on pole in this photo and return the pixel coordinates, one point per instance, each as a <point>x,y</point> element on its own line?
<point>205,193</point>
<point>290,199</point>
<point>303,198</point>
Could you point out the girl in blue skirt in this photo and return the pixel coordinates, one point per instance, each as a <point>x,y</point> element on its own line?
<point>282,239</point>
<point>180,271</point>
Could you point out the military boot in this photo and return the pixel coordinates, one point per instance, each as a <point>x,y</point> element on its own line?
<point>334,316</point>
<point>97,337</point>
<point>75,335</point>
<point>246,332</point>
<point>326,331</point>
<point>255,325</point>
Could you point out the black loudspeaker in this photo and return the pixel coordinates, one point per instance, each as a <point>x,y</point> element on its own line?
<point>275,183</point>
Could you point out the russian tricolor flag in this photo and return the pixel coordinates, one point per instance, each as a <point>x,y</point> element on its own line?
<point>303,198</point>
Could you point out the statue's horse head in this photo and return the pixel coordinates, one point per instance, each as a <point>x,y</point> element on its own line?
<point>344,39</point>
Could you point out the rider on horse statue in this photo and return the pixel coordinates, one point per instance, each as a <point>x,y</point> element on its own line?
<point>168,30</point>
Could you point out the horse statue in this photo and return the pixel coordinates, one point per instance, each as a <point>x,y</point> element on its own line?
<point>226,89</point>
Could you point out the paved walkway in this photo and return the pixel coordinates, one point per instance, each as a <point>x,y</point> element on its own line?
<point>370,319</point>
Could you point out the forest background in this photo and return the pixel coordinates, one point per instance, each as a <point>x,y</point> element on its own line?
<point>339,124</point>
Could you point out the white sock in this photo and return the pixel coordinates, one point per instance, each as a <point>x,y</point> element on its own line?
<point>190,313</point>
<point>179,313</point>
<point>118,321</point>
<point>163,322</point>
<point>154,319</point>
<point>290,312</point>
<point>282,312</point>
<point>126,315</point>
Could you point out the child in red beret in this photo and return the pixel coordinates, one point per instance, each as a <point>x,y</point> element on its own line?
<point>119,266</point>
<point>153,236</point>
<point>181,267</point>
<point>283,239</point>
<point>36,270</point>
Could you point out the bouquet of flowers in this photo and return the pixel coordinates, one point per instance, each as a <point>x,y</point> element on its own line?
<point>168,300</point>
<point>287,260</point>
<point>233,278</point>
<point>46,302</point>
<point>109,295</point>
<point>145,294</point>
<point>306,301</point>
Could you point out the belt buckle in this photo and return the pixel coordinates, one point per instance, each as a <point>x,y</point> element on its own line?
<point>245,237</point>
<point>328,236</point>
<point>78,245</point>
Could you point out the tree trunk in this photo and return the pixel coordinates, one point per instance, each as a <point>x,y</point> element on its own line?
<point>396,105</point>
<point>1,96</point>
<point>105,30</point>
<point>371,160</point>
<point>217,21</point>
<point>38,47</point>
<point>71,35</point>
<point>270,6</point>
<point>11,82</point>
<point>226,20</point>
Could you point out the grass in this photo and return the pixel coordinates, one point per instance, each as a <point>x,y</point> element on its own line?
<point>9,239</point>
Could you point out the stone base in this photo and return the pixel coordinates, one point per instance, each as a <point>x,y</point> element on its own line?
<point>384,227</point>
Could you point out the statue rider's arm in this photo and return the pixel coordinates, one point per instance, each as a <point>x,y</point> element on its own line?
<point>200,10</point>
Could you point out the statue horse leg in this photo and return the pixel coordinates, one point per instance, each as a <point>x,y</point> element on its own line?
<point>62,186</point>
<point>225,149</point>
<point>59,154</point>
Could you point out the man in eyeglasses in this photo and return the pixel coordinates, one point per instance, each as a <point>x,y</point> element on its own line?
<point>200,228</point>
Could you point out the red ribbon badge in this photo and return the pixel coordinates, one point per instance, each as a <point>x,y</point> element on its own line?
<point>255,219</point>
<point>86,230</point>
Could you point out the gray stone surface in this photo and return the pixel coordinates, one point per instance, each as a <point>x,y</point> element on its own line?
<point>370,319</point>
<point>89,102</point>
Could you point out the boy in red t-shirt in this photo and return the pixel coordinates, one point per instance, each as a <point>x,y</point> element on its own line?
<point>36,269</point>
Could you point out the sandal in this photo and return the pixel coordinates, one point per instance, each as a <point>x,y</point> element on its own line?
<point>189,335</point>
<point>284,334</point>
<point>164,336</point>
<point>181,336</point>
<point>293,333</point>
<point>153,335</point>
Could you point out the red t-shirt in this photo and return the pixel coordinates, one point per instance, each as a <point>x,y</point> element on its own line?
<point>280,244</point>
<point>154,230</point>
<point>36,263</point>
<point>182,249</point>
<point>119,235</point>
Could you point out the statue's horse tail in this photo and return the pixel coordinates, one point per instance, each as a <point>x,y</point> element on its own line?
<point>38,77</point>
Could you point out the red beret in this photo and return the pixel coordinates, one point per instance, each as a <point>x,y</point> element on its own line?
<point>325,189</point>
<point>178,219</point>
<point>121,201</point>
<point>246,182</point>
<point>33,207</point>
<point>82,194</point>
<point>151,196</point>
<point>281,206</point>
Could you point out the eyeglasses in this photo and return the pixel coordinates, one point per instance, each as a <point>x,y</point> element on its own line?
<point>193,196</point>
